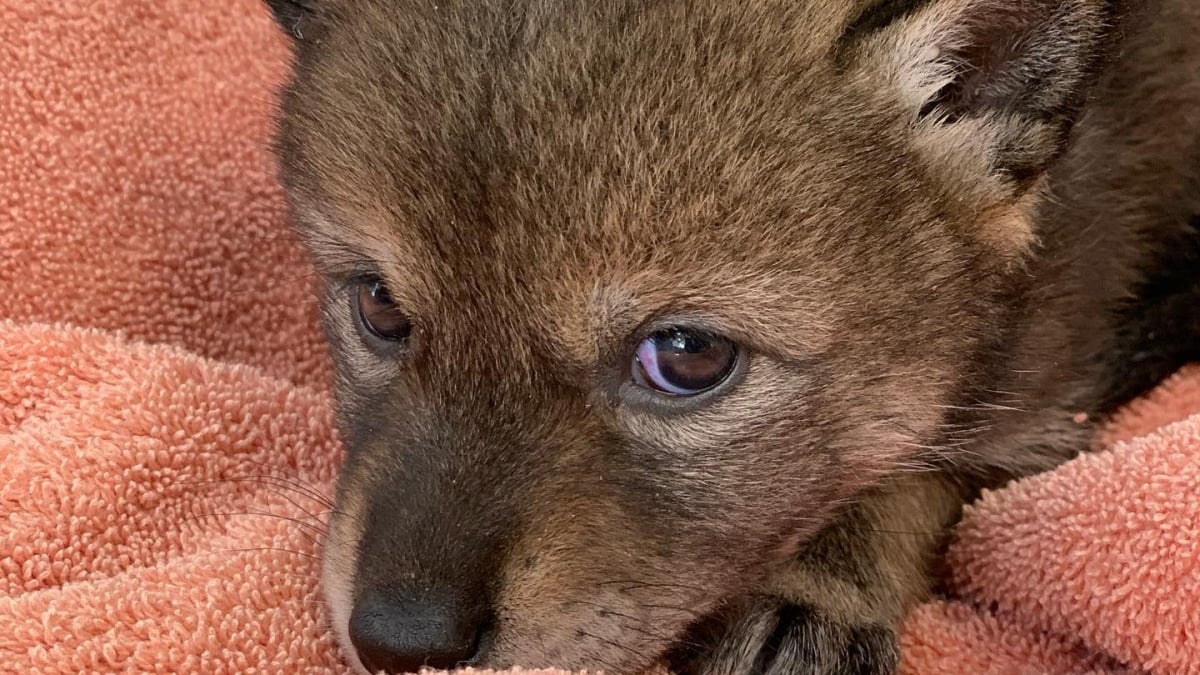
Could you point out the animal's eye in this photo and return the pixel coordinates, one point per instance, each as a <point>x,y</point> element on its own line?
<point>684,362</point>
<point>378,312</point>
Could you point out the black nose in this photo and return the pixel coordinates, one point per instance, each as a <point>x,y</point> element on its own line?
<point>402,636</point>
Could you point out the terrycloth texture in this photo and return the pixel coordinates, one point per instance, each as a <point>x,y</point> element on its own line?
<point>164,418</point>
<point>138,529</point>
<point>1100,558</point>
<point>136,194</point>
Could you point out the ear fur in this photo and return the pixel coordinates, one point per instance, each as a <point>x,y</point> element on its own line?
<point>1003,79</point>
<point>992,87</point>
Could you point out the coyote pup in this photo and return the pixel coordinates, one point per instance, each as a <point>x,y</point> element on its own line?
<point>683,329</point>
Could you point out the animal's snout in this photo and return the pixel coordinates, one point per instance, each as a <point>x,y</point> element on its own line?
<point>395,634</point>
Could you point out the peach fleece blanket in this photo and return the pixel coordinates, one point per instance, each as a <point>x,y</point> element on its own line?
<point>165,435</point>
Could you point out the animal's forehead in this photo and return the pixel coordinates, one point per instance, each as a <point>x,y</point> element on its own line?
<point>614,193</point>
<point>576,157</point>
<point>459,115</point>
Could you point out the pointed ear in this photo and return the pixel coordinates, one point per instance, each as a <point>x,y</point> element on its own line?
<point>992,86</point>
<point>294,16</point>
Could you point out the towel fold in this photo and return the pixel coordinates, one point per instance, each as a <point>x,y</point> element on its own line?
<point>1092,565</point>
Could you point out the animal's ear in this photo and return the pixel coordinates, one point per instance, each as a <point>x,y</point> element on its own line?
<point>992,86</point>
<point>294,16</point>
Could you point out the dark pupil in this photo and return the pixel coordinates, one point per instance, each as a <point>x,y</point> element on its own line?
<point>693,361</point>
<point>379,311</point>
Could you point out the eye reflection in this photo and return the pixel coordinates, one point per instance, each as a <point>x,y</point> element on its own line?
<point>683,362</point>
<point>378,311</point>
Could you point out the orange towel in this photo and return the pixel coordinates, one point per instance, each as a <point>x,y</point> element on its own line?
<point>165,436</point>
<point>1089,566</point>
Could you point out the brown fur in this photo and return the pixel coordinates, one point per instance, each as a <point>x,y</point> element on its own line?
<point>925,263</point>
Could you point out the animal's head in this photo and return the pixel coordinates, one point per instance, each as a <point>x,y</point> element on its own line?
<point>626,297</point>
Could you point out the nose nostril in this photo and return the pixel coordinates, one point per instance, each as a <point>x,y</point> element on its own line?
<point>397,636</point>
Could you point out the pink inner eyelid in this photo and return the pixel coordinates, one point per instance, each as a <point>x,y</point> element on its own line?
<point>647,355</point>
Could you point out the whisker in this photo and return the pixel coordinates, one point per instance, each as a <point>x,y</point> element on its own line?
<point>606,611</point>
<point>270,481</point>
<point>638,585</point>
<point>274,548</point>
<point>265,514</point>
<point>682,610</point>
<point>272,471</point>
<point>981,406</point>
<point>612,643</point>
<point>320,522</point>
<point>298,486</point>
<point>908,533</point>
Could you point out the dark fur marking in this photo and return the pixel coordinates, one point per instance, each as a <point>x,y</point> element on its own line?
<point>802,640</point>
<point>1160,327</point>
<point>293,15</point>
<point>836,550</point>
<point>878,16</point>
<point>872,650</point>
<point>813,643</point>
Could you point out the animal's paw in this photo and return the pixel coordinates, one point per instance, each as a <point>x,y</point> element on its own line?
<point>774,637</point>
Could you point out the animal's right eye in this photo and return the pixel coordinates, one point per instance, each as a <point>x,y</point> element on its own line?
<point>684,362</point>
<point>378,311</point>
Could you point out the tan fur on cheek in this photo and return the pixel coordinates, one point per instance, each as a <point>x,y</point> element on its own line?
<point>357,363</point>
<point>894,533</point>
<point>1009,230</point>
<point>558,608</point>
<point>765,390</point>
<point>339,561</point>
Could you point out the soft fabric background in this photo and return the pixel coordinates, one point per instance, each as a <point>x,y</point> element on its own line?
<point>165,437</point>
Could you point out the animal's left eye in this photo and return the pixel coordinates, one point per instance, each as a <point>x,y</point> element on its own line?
<point>684,362</point>
<point>378,311</point>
